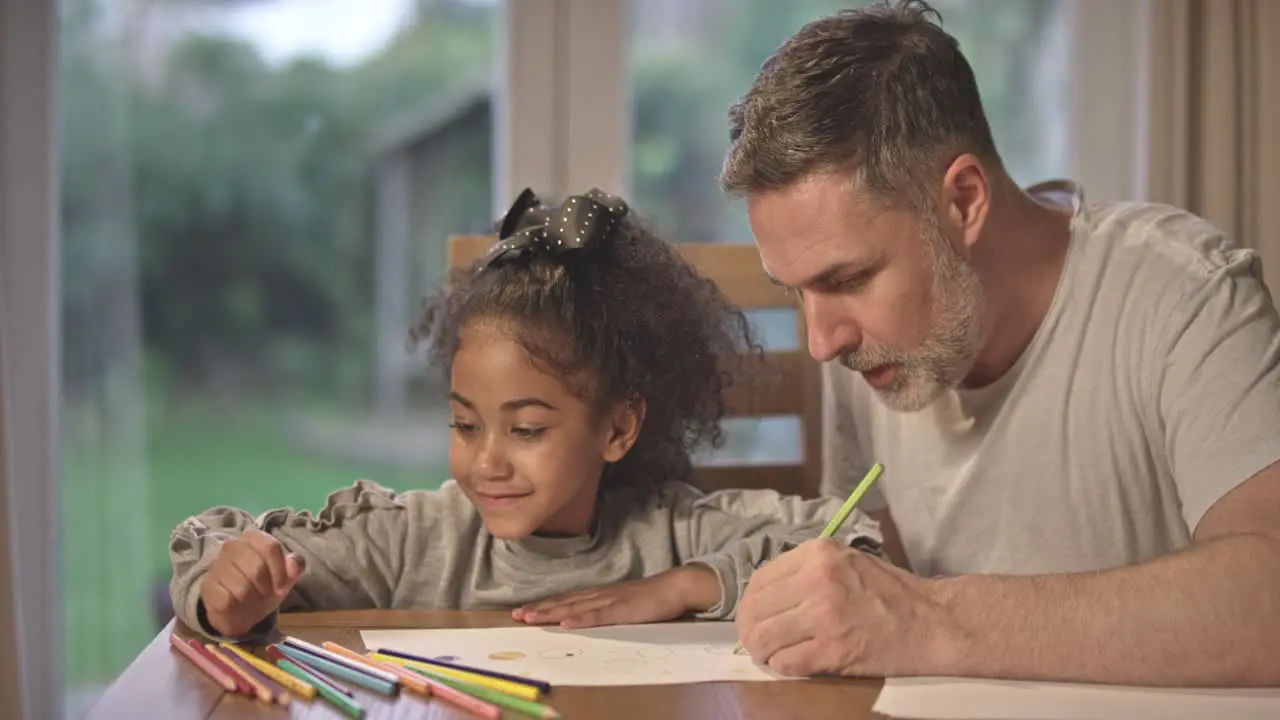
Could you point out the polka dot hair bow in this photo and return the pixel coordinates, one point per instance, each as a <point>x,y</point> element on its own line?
<point>531,228</point>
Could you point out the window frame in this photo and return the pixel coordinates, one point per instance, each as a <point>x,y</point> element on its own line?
<point>31,307</point>
<point>574,102</point>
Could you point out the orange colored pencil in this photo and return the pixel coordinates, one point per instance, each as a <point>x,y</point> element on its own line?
<point>215,673</point>
<point>483,708</point>
<point>261,690</point>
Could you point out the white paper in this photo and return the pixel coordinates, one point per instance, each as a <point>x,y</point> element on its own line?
<point>651,654</point>
<point>944,698</point>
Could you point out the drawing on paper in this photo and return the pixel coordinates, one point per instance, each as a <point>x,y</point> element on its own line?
<point>506,655</point>
<point>657,653</point>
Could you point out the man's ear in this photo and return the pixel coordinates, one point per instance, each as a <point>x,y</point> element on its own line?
<point>965,199</point>
<point>626,417</point>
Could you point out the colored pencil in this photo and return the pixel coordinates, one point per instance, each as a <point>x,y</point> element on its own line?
<point>528,707</point>
<point>292,684</point>
<point>262,692</point>
<point>333,657</point>
<point>843,513</point>
<point>242,687</point>
<point>409,680</point>
<point>213,672</point>
<point>540,684</point>
<point>340,671</point>
<point>334,698</point>
<point>317,679</point>
<point>506,687</point>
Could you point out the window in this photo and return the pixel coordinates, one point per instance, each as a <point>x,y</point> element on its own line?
<point>253,201</point>
<point>691,59</point>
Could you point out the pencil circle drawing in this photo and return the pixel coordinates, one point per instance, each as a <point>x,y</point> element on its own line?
<point>560,653</point>
<point>654,653</point>
<point>506,655</point>
<point>718,649</point>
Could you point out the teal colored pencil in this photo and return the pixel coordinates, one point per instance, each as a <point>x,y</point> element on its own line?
<point>341,672</point>
<point>510,702</point>
<point>335,698</point>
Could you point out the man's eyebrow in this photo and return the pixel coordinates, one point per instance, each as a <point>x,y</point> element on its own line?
<point>829,274</point>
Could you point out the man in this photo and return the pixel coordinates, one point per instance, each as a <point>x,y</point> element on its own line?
<point>1077,406</point>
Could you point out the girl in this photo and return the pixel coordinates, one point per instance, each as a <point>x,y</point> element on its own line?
<point>581,358</point>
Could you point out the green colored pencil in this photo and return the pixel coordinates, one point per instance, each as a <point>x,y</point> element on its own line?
<point>854,498</point>
<point>520,705</point>
<point>335,698</point>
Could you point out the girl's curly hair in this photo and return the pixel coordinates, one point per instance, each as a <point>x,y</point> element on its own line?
<point>626,319</point>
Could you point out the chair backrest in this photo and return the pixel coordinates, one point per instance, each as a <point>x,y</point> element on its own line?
<point>794,384</point>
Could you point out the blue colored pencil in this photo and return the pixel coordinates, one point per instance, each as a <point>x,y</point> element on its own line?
<point>541,685</point>
<point>341,672</point>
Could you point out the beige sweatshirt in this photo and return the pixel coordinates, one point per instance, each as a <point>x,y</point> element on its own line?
<point>370,547</point>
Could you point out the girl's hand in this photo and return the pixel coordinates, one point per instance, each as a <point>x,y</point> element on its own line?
<point>665,596</point>
<point>248,580</point>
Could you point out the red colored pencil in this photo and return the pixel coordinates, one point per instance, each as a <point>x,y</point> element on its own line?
<point>214,673</point>
<point>269,691</point>
<point>241,686</point>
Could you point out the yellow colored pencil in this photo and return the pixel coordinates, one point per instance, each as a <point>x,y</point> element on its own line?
<point>506,687</point>
<point>287,681</point>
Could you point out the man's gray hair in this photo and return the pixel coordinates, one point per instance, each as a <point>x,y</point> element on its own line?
<point>880,92</point>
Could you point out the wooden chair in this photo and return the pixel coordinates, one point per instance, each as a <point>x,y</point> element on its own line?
<point>794,385</point>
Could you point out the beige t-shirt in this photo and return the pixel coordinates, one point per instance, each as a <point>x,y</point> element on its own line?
<point>1151,389</point>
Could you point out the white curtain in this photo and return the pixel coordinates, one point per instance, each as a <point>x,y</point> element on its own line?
<point>1213,113</point>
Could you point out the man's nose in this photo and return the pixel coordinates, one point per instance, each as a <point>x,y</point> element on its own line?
<point>830,327</point>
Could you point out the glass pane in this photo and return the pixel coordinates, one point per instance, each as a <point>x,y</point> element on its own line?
<point>255,195</point>
<point>691,59</point>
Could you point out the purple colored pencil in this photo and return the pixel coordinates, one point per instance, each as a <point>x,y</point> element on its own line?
<point>541,685</point>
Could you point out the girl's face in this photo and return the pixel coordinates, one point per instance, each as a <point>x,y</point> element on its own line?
<point>525,450</point>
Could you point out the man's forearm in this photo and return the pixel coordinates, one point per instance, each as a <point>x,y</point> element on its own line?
<point>1206,616</point>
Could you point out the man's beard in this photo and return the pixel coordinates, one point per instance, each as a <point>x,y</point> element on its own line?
<point>951,346</point>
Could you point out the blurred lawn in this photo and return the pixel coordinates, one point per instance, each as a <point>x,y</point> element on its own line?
<point>117,516</point>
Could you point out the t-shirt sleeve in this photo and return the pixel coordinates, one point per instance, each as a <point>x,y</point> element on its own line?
<point>844,461</point>
<point>1219,389</point>
<point>352,548</point>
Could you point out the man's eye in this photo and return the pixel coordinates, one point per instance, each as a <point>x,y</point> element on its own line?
<point>852,282</point>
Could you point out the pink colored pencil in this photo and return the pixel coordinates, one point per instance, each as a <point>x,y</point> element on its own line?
<point>215,673</point>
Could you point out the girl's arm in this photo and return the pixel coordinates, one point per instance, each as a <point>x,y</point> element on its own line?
<point>353,550</point>
<point>734,532</point>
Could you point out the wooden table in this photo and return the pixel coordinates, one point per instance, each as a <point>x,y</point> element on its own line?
<point>160,684</point>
